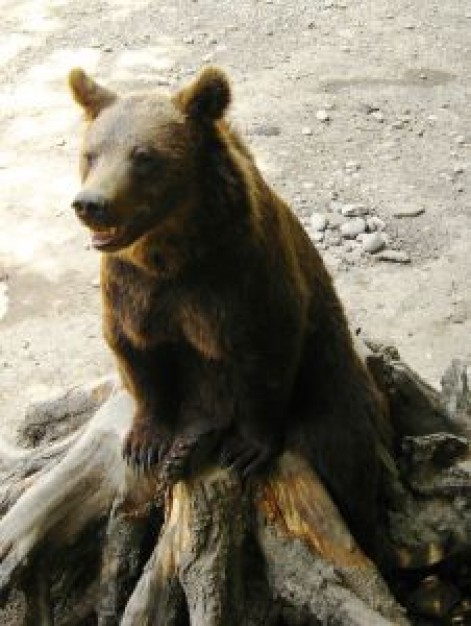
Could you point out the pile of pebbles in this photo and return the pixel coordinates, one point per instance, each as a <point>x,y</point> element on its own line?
<point>354,233</point>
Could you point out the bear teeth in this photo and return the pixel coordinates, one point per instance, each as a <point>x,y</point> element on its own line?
<point>105,237</point>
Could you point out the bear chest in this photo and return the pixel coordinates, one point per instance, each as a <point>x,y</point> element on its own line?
<point>138,309</point>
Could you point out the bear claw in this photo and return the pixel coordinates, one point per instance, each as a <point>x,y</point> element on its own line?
<point>144,448</point>
<point>246,458</point>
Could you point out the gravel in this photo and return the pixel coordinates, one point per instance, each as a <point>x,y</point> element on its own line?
<point>353,228</point>
<point>264,130</point>
<point>354,210</point>
<point>373,242</point>
<point>393,256</point>
<point>318,221</point>
<point>409,212</point>
<point>322,115</point>
<point>375,223</point>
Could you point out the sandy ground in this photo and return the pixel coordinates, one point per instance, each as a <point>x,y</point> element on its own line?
<point>343,102</point>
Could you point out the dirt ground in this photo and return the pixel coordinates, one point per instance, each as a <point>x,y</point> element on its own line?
<point>344,103</point>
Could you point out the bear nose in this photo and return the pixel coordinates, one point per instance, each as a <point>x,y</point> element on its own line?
<point>90,204</point>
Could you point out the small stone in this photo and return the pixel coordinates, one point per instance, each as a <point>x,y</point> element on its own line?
<point>189,40</point>
<point>398,124</point>
<point>318,236</point>
<point>108,49</point>
<point>161,81</point>
<point>369,108</point>
<point>336,206</point>
<point>207,58</point>
<point>373,242</point>
<point>460,139</point>
<point>333,238</point>
<point>352,166</point>
<point>354,210</point>
<point>354,255</point>
<point>322,115</point>
<point>378,116</point>
<point>408,212</point>
<point>393,256</point>
<point>318,221</point>
<point>459,315</point>
<point>95,283</point>
<point>336,220</point>
<point>306,131</point>
<point>353,227</point>
<point>458,169</point>
<point>375,223</point>
<point>265,130</point>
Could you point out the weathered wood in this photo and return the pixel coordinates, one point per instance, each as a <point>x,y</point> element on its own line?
<point>416,408</point>
<point>130,537</point>
<point>456,395</point>
<point>304,538</point>
<point>56,417</point>
<point>200,554</point>
<point>71,494</point>
<point>89,542</point>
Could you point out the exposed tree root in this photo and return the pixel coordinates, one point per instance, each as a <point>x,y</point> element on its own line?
<point>90,542</point>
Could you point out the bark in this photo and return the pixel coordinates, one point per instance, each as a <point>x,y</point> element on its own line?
<point>87,541</point>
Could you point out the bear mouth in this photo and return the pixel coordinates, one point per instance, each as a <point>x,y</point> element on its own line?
<point>109,239</point>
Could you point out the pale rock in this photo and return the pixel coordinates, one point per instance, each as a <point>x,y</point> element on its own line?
<point>393,256</point>
<point>353,228</point>
<point>318,221</point>
<point>408,212</point>
<point>375,223</point>
<point>354,210</point>
<point>373,242</point>
<point>322,115</point>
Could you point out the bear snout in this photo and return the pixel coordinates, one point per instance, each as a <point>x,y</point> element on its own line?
<point>92,207</point>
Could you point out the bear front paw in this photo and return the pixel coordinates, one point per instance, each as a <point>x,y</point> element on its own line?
<point>144,446</point>
<point>246,457</point>
<point>188,453</point>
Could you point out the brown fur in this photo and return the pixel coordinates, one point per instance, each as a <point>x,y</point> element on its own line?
<point>217,305</point>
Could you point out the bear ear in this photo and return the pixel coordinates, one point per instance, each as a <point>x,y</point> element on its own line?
<point>91,96</point>
<point>207,98</point>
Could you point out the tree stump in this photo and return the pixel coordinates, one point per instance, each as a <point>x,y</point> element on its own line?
<point>85,540</point>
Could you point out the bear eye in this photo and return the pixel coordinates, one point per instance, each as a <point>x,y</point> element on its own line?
<point>144,159</point>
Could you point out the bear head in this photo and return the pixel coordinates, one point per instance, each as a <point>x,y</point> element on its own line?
<point>139,157</point>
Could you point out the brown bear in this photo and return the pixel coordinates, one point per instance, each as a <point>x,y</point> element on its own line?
<point>217,305</point>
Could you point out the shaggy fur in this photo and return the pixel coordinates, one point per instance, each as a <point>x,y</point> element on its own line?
<point>215,302</point>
